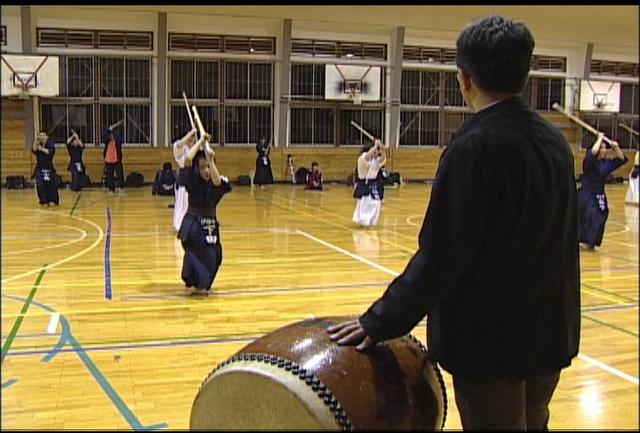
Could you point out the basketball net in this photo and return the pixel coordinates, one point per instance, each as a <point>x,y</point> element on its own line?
<point>355,95</point>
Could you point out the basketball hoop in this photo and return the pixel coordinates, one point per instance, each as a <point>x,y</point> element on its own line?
<point>25,76</point>
<point>352,83</point>
<point>600,100</point>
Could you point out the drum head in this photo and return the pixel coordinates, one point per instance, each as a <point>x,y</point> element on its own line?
<point>248,395</point>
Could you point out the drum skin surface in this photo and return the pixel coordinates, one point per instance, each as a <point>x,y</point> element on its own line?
<point>297,378</point>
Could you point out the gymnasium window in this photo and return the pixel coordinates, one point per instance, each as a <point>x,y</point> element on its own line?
<point>59,119</point>
<point>419,87</point>
<point>96,92</point>
<point>370,119</point>
<point>432,107</point>
<point>452,95</point>
<point>549,91</point>
<point>248,99</point>
<point>200,81</point>
<point>248,124</point>
<point>240,105</point>
<point>312,126</point>
<point>419,128</point>
<point>180,123</point>
<point>307,81</point>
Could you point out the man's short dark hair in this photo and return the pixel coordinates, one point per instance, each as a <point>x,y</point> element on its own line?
<point>495,52</point>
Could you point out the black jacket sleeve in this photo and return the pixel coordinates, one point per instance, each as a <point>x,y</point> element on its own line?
<point>449,240</point>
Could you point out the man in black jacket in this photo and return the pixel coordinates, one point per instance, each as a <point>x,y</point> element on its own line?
<point>497,270</point>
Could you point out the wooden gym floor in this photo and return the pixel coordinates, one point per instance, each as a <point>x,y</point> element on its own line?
<point>100,333</point>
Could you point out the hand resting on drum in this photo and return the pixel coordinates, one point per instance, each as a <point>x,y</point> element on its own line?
<point>350,333</point>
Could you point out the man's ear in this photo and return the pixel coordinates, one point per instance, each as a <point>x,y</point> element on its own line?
<point>464,79</point>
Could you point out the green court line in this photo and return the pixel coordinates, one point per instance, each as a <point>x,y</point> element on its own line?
<point>75,204</point>
<point>609,325</point>
<point>599,289</point>
<point>20,318</point>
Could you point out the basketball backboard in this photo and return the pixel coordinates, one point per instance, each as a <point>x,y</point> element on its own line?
<point>350,82</point>
<point>30,75</point>
<point>599,96</point>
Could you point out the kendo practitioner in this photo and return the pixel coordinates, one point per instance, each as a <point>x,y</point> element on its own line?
<point>263,175</point>
<point>633,193</point>
<point>45,173</point>
<point>366,190</point>
<point>200,230</point>
<point>592,199</point>
<point>181,149</point>
<point>75,148</point>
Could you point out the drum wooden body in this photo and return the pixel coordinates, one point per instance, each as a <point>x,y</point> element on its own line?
<point>296,378</point>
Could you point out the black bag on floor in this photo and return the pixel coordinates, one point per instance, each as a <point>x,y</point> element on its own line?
<point>15,182</point>
<point>244,180</point>
<point>302,175</point>
<point>394,178</point>
<point>134,179</point>
<point>165,181</point>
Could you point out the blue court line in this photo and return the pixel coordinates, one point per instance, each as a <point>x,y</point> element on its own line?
<point>8,383</point>
<point>67,337</point>
<point>258,291</point>
<point>59,349</point>
<point>609,307</point>
<point>107,258</point>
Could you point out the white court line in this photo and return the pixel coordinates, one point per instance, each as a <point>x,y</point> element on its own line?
<point>65,260</point>
<point>83,234</point>
<point>626,228</point>
<point>608,368</point>
<point>53,323</point>
<point>581,356</point>
<point>411,218</point>
<point>348,253</point>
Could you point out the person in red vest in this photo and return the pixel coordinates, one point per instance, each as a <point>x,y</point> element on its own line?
<point>112,154</point>
<point>315,178</point>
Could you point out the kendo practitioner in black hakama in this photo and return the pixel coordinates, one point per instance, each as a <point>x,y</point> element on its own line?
<point>200,230</point>
<point>592,200</point>
<point>44,173</point>
<point>75,148</point>
<point>264,175</point>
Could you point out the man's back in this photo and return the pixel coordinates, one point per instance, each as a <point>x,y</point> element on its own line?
<point>513,311</point>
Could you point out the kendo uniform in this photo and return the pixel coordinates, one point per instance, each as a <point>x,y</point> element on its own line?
<point>76,167</point>
<point>45,175</point>
<point>181,194</point>
<point>367,192</point>
<point>263,175</point>
<point>592,200</point>
<point>200,231</point>
<point>633,194</point>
